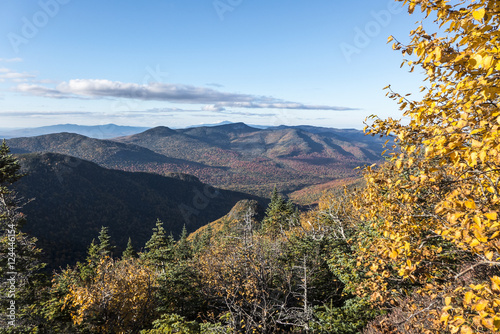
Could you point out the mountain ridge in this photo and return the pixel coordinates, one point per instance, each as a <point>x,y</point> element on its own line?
<point>230,156</point>
<point>105,131</point>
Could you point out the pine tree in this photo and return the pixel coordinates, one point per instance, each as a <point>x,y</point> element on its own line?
<point>129,252</point>
<point>87,269</point>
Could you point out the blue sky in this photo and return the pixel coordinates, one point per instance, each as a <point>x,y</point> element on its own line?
<point>185,62</point>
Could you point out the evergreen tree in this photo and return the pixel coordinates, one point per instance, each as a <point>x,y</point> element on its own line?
<point>183,250</point>
<point>93,252</point>
<point>180,283</point>
<point>129,252</point>
<point>201,241</point>
<point>96,252</point>
<point>280,214</point>
<point>160,247</point>
<point>20,283</point>
<point>105,247</point>
<point>9,169</point>
<point>87,269</point>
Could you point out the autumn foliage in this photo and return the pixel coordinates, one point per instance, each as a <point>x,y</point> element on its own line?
<point>118,298</point>
<point>431,211</point>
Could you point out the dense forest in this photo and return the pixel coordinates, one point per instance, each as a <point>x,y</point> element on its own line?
<point>71,199</point>
<point>414,249</point>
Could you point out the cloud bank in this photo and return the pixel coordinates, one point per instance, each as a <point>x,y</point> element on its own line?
<point>214,100</point>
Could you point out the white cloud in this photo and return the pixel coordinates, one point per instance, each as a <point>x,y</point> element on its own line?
<point>273,105</point>
<point>8,74</point>
<point>215,100</point>
<point>213,107</point>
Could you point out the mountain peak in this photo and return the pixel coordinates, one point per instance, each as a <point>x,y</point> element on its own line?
<point>159,131</point>
<point>236,126</point>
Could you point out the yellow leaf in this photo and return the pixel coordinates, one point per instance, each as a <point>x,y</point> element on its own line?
<point>468,297</point>
<point>492,215</point>
<point>487,61</point>
<point>483,155</point>
<point>444,317</point>
<point>479,14</point>
<point>496,279</point>
<point>495,283</point>
<point>438,53</point>
<point>481,305</point>
<point>470,205</point>
<point>475,243</point>
<point>447,301</point>
<point>477,220</point>
<point>393,255</point>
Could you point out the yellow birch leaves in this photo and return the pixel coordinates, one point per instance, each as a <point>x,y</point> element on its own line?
<point>436,200</point>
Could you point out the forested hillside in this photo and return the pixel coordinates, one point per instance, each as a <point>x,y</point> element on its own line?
<point>74,198</point>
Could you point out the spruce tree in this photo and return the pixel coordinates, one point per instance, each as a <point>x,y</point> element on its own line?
<point>201,241</point>
<point>280,214</point>
<point>183,250</point>
<point>87,268</point>
<point>160,247</point>
<point>96,252</point>
<point>105,247</point>
<point>20,283</point>
<point>9,169</point>
<point>93,252</point>
<point>129,252</point>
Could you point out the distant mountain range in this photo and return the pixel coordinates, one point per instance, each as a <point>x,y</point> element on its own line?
<point>73,198</point>
<point>94,131</point>
<point>231,156</point>
<point>105,131</point>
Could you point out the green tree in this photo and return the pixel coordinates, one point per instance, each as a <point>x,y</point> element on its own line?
<point>9,169</point>
<point>21,285</point>
<point>280,214</point>
<point>105,247</point>
<point>201,241</point>
<point>159,248</point>
<point>183,250</point>
<point>129,252</point>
